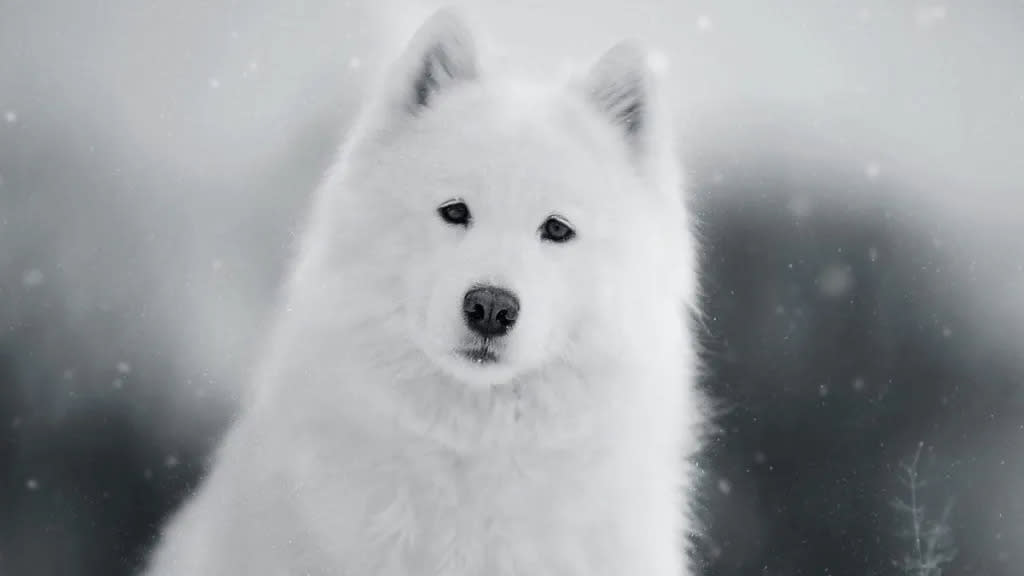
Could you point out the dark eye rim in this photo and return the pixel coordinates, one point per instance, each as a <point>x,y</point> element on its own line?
<point>442,211</point>
<point>561,220</point>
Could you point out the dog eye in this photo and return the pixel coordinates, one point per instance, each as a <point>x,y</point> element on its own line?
<point>455,212</point>
<point>556,229</point>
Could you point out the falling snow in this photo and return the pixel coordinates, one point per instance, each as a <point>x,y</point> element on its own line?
<point>724,486</point>
<point>835,280</point>
<point>929,15</point>
<point>32,278</point>
<point>799,206</point>
<point>251,68</point>
<point>802,205</point>
<point>657,61</point>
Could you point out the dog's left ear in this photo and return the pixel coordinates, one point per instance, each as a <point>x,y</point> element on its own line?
<point>622,87</point>
<point>441,55</point>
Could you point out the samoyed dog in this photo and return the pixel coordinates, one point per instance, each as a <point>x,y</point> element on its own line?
<point>482,365</point>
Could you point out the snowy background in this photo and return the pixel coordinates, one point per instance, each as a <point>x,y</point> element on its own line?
<point>857,171</point>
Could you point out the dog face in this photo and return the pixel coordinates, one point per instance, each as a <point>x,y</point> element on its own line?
<point>517,220</point>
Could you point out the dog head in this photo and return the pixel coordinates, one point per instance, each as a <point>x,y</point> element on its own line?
<point>516,225</point>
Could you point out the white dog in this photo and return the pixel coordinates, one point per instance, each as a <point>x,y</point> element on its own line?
<point>483,365</point>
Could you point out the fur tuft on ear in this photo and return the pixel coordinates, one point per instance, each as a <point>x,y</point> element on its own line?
<point>621,86</point>
<point>441,54</point>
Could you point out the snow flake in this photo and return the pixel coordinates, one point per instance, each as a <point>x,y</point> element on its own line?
<point>171,461</point>
<point>251,68</point>
<point>822,390</point>
<point>835,280</point>
<point>32,278</point>
<point>214,83</point>
<point>704,23</point>
<point>873,254</point>
<point>947,332</point>
<point>872,170</point>
<point>929,14</point>
<point>355,63</point>
<point>10,116</point>
<point>858,384</point>
<point>799,206</point>
<point>724,486</point>
<point>657,61</point>
<point>32,484</point>
<point>124,368</point>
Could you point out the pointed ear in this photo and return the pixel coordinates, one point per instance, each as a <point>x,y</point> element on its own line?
<point>621,85</point>
<point>440,55</point>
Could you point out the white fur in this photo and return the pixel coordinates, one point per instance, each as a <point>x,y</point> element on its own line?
<point>371,448</point>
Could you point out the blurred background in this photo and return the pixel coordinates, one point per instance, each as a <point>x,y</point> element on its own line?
<point>856,168</point>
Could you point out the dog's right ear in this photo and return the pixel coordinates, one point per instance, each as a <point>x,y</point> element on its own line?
<point>440,56</point>
<point>622,87</point>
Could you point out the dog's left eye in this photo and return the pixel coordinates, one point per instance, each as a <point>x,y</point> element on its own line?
<point>556,229</point>
<point>455,212</point>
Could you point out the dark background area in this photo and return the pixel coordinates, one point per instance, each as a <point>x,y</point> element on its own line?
<point>842,334</point>
<point>855,176</point>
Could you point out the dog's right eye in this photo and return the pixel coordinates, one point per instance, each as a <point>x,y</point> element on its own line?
<point>455,212</point>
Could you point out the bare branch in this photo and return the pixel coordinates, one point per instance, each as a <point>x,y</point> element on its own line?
<point>931,542</point>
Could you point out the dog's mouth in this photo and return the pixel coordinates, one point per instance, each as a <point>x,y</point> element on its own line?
<point>482,353</point>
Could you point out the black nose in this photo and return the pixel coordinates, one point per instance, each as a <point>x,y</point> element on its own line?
<point>490,311</point>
